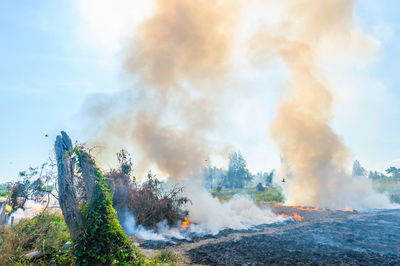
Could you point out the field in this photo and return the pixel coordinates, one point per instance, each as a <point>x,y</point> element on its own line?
<point>319,237</point>
<point>271,194</point>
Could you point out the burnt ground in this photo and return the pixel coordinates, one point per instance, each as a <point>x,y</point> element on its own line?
<point>321,238</point>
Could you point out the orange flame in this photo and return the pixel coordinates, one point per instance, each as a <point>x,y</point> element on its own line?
<point>348,209</point>
<point>185,223</point>
<point>295,216</point>
<point>308,208</point>
<point>284,215</point>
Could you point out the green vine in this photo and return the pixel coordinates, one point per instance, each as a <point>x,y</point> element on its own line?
<point>103,241</point>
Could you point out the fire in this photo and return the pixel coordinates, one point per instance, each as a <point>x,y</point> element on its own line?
<point>308,208</point>
<point>348,209</point>
<point>185,223</point>
<point>297,217</point>
<point>285,215</point>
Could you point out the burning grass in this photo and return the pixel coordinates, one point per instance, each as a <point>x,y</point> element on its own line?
<point>302,208</point>
<point>185,223</point>
<point>297,217</point>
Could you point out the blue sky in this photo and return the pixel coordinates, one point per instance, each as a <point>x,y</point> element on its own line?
<point>49,65</point>
<point>45,76</point>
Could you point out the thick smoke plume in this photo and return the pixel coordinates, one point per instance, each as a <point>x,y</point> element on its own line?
<point>316,155</point>
<point>185,40</point>
<point>178,56</point>
<point>181,57</point>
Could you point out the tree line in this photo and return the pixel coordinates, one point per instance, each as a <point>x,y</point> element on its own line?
<point>237,176</point>
<point>391,174</point>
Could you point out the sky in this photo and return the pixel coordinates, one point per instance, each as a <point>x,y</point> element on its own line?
<point>55,55</point>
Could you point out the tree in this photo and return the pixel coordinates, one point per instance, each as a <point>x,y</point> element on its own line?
<point>36,183</point>
<point>394,172</point>
<point>213,176</point>
<point>265,178</point>
<point>238,175</point>
<point>260,187</point>
<point>268,177</point>
<point>358,170</point>
<point>377,176</point>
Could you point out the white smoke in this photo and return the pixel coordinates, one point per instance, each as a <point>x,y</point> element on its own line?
<point>316,155</point>
<point>209,216</point>
<point>33,208</point>
<point>164,233</point>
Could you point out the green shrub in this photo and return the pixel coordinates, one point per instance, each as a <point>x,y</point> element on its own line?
<point>46,232</point>
<point>271,195</point>
<point>164,257</point>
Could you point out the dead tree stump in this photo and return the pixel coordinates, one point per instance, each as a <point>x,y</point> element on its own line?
<point>3,216</point>
<point>66,190</point>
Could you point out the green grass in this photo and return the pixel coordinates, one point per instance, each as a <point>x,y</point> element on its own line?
<point>272,195</point>
<point>4,193</point>
<point>164,257</point>
<point>46,232</point>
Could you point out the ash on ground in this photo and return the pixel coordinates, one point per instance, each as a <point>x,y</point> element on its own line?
<point>322,237</point>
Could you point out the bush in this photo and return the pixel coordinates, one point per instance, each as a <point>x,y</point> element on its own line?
<point>151,205</point>
<point>271,195</point>
<point>147,203</point>
<point>164,256</point>
<point>260,187</point>
<point>46,232</point>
